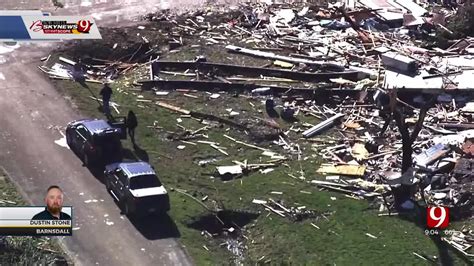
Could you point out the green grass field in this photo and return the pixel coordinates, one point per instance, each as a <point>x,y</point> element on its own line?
<point>341,239</point>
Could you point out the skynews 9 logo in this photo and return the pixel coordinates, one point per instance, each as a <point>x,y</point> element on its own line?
<point>61,27</point>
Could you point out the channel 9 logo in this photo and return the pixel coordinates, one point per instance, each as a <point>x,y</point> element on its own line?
<point>437,217</point>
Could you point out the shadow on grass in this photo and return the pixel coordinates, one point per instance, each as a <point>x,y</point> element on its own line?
<point>128,155</point>
<point>155,227</point>
<point>82,81</point>
<point>229,177</point>
<point>288,115</point>
<point>141,153</point>
<point>272,113</point>
<point>225,219</point>
<point>137,155</point>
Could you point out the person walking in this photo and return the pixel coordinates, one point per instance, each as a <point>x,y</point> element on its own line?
<point>79,70</point>
<point>106,93</point>
<point>132,123</point>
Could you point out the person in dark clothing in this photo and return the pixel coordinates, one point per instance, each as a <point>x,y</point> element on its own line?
<point>79,69</point>
<point>106,93</point>
<point>132,123</point>
<point>54,204</point>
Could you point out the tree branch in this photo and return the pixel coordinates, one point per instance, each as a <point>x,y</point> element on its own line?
<point>421,119</point>
<point>400,120</point>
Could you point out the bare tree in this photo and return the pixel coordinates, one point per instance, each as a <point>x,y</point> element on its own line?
<point>405,191</point>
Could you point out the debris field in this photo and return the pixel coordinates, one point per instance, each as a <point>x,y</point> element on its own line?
<point>358,87</point>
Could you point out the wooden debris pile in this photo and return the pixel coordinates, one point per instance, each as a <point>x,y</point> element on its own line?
<point>294,214</point>
<point>98,71</point>
<point>461,241</point>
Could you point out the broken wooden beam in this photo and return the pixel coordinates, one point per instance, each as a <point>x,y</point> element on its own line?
<point>201,115</point>
<point>206,67</point>
<point>173,108</point>
<point>279,205</point>
<point>204,85</point>
<point>273,56</point>
<point>245,144</point>
<point>319,182</point>
<point>351,170</point>
<point>338,189</point>
<point>273,210</point>
<point>461,126</point>
<point>219,149</point>
<point>65,60</point>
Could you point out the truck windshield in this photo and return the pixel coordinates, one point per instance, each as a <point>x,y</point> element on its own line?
<point>144,181</point>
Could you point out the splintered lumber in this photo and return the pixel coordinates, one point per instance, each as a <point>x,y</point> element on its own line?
<point>245,144</point>
<point>279,205</point>
<point>461,248</point>
<point>191,96</point>
<point>382,154</point>
<point>273,210</point>
<point>218,119</point>
<point>352,170</point>
<point>195,199</point>
<point>326,123</point>
<point>388,214</point>
<point>174,108</point>
<point>247,71</point>
<point>178,73</point>
<point>65,60</point>
<point>257,201</point>
<point>318,182</point>
<point>338,189</point>
<point>266,79</point>
<point>204,85</point>
<point>45,59</point>
<point>315,226</point>
<point>461,126</point>
<point>202,115</point>
<point>370,235</point>
<point>144,100</point>
<point>419,256</point>
<point>219,149</point>
<point>273,56</point>
<point>207,142</point>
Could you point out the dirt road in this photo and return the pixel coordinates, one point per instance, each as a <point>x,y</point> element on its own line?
<point>32,115</point>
